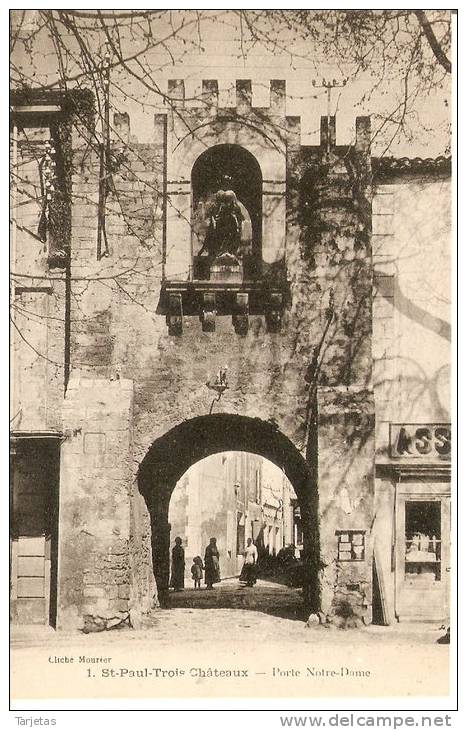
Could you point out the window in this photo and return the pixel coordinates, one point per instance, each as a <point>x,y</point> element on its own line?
<point>350,545</point>
<point>423,541</point>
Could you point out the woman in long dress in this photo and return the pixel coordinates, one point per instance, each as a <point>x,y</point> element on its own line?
<point>248,574</point>
<point>211,564</point>
<point>177,580</point>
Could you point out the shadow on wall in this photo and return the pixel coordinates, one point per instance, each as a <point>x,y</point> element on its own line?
<point>413,311</point>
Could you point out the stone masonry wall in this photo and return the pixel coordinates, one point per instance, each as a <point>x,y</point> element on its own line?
<point>411,314</point>
<point>94,568</point>
<point>331,219</point>
<point>117,331</point>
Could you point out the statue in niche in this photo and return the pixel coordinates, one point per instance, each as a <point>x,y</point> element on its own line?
<point>224,232</point>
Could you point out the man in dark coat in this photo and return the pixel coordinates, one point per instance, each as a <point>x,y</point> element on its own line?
<point>177,580</point>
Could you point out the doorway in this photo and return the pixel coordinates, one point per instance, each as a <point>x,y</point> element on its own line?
<point>34,531</point>
<point>422,556</point>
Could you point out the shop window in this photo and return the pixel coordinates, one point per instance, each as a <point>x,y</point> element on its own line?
<point>423,541</point>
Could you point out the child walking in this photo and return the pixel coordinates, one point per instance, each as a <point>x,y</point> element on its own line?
<point>197,571</point>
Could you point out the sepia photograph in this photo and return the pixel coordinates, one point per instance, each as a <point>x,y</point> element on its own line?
<point>231,245</point>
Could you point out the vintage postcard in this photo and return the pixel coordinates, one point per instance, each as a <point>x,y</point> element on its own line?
<point>230,353</point>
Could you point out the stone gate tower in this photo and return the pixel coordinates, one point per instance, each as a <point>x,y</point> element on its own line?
<point>230,243</point>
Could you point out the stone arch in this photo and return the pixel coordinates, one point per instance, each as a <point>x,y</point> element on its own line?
<point>185,148</point>
<point>172,454</point>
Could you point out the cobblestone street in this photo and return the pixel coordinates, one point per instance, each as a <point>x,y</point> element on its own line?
<point>267,612</point>
<point>267,596</point>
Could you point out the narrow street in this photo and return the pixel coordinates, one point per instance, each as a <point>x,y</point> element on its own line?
<point>267,596</point>
<point>268,612</point>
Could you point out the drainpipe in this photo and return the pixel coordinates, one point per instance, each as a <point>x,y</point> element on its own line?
<point>14,201</point>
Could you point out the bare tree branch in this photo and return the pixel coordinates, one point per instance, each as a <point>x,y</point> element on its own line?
<point>433,41</point>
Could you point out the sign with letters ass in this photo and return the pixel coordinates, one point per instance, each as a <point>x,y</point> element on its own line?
<point>427,441</point>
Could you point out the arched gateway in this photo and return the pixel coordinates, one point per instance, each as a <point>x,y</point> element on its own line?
<point>173,453</point>
<point>294,330</point>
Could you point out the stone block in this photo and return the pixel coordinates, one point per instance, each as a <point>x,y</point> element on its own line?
<point>120,605</point>
<point>111,591</point>
<point>313,620</point>
<point>91,579</point>
<point>124,591</point>
<point>94,443</point>
<point>383,225</point>
<point>95,591</point>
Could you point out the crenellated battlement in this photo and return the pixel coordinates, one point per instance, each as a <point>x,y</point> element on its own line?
<point>362,139</point>
<point>209,97</point>
<point>205,107</point>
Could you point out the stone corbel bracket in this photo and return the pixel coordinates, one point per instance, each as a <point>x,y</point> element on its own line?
<point>208,312</point>
<point>240,318</point>
<point>175,315</point>
<point>274,312</point>
<point>209,299</point>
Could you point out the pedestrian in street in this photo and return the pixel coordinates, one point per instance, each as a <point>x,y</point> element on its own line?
<point>248,574</point>
<point>177,581</point>
<point>211,564</point>
<point>197,571</point>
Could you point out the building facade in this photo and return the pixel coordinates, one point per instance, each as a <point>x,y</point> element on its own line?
<point>231,496</point>
<point>411,347</point>
<point>316,273</point>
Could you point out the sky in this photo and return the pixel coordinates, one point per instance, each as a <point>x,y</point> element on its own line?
<point>215,44</point>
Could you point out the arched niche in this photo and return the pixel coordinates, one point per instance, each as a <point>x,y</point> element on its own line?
<point>184,149</point>
<point>219,169</point>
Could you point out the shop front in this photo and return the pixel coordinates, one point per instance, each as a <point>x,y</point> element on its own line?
<point>419,472</point>
<point>422,550</point>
